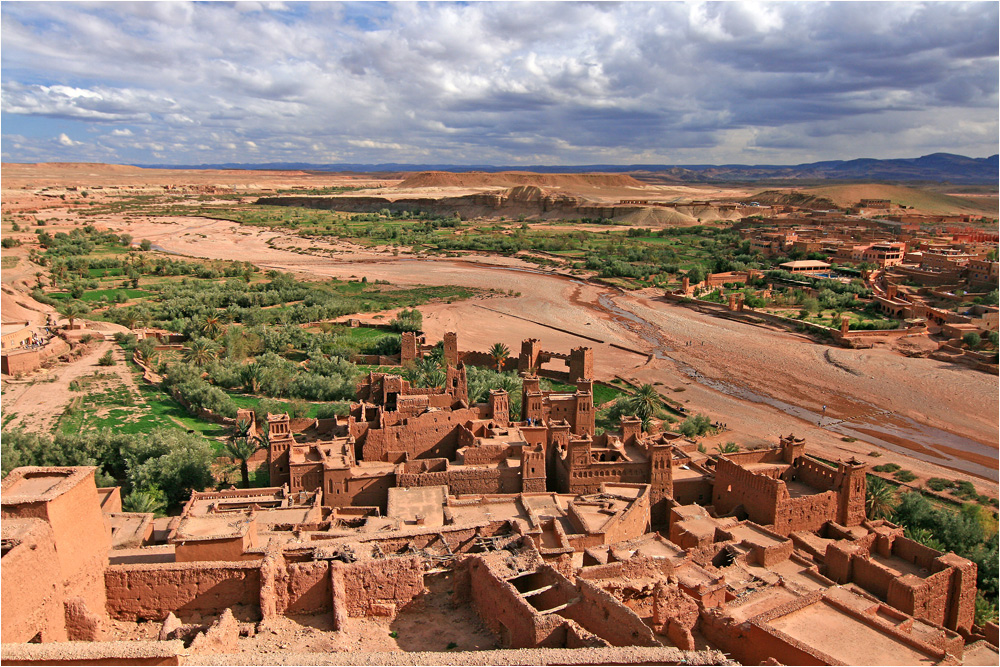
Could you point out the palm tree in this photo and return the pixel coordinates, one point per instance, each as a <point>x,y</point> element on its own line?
<point>879,498</point>
<point>500,353</point>
<point>728,448</point>
<point>212,326</point>
<point>200,352</point>
<point>240,449</point>
<point>251,376</point>
<point>241,429</point>
<point>132,318</point>
<point>149,500</point>
<point>73,310</point>
<point>644,402</point>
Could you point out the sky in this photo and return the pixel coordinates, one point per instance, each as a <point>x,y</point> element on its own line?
<point>557,83</point>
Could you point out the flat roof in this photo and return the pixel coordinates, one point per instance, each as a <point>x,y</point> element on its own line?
<point>806,264</point>
<point>33,484</point>
<point>843,637</point>
<point>425,501</point>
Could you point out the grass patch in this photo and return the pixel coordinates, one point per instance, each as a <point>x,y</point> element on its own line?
<point>9,261</point>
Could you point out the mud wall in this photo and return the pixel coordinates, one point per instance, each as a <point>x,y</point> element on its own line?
<point>307,588</point>
<point>806,513</point>
<point>815,474</point>
<point>31,594</point>
<point>432,435</point>
<point>377,587</point>
<point>601,613</point>
<point>508,615</point>
<point>152,590</point>
<point>735,486</point>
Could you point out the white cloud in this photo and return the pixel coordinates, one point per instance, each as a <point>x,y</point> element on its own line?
<point>501,82</point>
<point>66,141</point>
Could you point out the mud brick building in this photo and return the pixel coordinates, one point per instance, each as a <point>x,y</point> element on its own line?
<point>785,488</point>
<point>55,546</point>
<point>540,570</point>
<point>579,362</point>
<point>576,409</point>
<point>540,529</point>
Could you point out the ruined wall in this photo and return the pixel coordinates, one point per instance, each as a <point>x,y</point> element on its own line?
<point>601,613</point>
<point>815,474</point>
<point>96,653</point>
<point>588,479</point>
<point>461,480</point>
<point>630,524</point>
<point>307,588</point>
<point>377,587</point>
<point>31,593</point>
<point>805,513</point>
<point>693,491</point>
<point>923,598</point>
<point>508,615</point>
<point>150,591</point>
<point>735,486</point>
<point>357,487</point>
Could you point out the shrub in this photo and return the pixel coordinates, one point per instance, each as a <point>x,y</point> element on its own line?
<point>886,467</point>
<point>971,339</point>
<point>905,476</point>
<point>107,359</point>
<point>939,483</point>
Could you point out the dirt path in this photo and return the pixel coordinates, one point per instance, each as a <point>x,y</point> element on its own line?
<point>38,403</point>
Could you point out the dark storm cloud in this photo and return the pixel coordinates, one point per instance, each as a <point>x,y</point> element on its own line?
<point>499,82</point>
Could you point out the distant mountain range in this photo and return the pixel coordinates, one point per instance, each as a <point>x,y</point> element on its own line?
<point>938,167</point>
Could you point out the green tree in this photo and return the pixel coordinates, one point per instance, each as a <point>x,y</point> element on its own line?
<point>151,500</point>
<point>879,494</point>
<point>644,402</point>
<point>728,448</point>
<point>72,310</point>
<point>971,339</point>
<point>500,354</point>
<point>200,352</point>
<point>252,375</point>
<point>212,326</point>
<point>407,320</point>
<point>240,449</point>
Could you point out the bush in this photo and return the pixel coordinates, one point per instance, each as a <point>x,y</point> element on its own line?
<point>971,339</point>
<point>939,483</point>
<point>107,359</point>
<point>905,476</point>
<point>886,467</point>
<point>407,320</point>
<point>966,490</point>
<point>695,426</point>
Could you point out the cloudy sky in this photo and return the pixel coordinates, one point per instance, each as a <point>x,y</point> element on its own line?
<point>497,83</point>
